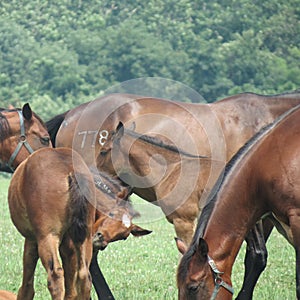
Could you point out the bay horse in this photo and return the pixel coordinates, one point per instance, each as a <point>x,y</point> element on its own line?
<point>21,132</point>
<point>262,179</point>
<point>113,222</point>
<point>214,130</point>
<point>52,206</point>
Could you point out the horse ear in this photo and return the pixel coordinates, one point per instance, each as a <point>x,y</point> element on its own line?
<point>27,112</point>
<point>119,131</point>
<point>181,245</point>
<point>139,231</point>
<point>202,248</point>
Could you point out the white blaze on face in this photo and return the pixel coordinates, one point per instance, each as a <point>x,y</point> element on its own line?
<point>126,220</point>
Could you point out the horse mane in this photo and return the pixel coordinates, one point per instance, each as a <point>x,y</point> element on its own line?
<point>213,196</point>
<point>53,125</point>
<point>297,91</point>
<point>159,143</point>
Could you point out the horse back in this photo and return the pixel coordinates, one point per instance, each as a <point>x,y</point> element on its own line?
<point>50,187</point>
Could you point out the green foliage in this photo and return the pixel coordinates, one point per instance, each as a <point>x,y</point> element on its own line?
<point>71,50</point>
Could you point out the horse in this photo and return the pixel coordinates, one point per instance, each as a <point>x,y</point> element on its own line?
<point>261,180</point>
<point>52,205</point>
<point>214,130</point>
<point>113,222</point>
<point>21,132</point>
<point>6,295</point>
<point>114,212</point>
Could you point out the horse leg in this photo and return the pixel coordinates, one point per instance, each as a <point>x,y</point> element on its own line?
<point>76,259</point>
<point>256,257</point>
<point>84,282</point>
<point>295,228</point>
<point>49,255</point>
<point>68,255</point>
<point>30,258</point>
<point>102,289</point>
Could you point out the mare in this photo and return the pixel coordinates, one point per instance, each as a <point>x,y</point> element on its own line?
<point>214,130</point>
<point>21,132</point>
<point>261,179</point>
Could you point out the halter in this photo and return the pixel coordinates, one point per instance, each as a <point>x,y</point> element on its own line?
<point>22,141</point>
<point>218,280</point>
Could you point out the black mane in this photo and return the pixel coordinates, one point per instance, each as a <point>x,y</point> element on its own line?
<point>161,144</point>
<point>53,125</point>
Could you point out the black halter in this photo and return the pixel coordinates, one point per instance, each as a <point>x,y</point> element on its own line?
<point>22,141</point>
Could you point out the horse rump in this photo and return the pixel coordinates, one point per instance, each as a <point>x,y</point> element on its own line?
<point>81,199</point>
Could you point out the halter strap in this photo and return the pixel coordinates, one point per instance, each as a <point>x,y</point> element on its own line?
<point>218,280</point>
<point>22,142</point>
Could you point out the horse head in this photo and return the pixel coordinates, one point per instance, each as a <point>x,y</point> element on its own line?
<point>21,133</point>
<point>198,277</point>
<point>116,225</point>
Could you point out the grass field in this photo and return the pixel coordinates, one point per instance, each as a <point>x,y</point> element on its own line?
<point>144,268</point>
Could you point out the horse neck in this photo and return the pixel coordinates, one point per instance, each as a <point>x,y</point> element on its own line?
<point>238,206</point>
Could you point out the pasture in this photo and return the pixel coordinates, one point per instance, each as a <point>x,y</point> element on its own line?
<point>144,268</point>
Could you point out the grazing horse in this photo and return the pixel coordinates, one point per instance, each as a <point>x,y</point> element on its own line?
<point>21,132</point>
<point>214,130</point>
<point>261,179</point>
<point>52,205</point>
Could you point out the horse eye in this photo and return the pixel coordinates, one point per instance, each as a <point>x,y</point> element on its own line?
<point>45,140</point>
<point>193,289</point>
<point>111,214</point>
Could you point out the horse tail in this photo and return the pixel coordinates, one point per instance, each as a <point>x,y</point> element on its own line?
<point>79,206</point>
<point>53,125</point>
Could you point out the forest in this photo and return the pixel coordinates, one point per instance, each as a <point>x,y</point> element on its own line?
<point>58,54</point>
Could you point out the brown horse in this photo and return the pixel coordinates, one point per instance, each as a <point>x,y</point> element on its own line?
<point>52,206</point>
<point>21,132</point>
<point>114,212</point>
<point>261,179</point>
<point>215,130</point>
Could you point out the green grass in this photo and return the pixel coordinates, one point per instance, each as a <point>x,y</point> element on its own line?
<point>144,268</point>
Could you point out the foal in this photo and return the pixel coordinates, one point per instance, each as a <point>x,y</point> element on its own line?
<point>52,206</point>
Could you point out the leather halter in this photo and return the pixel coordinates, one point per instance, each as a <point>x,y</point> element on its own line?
<point>218,280</point>
<point>22,142</point>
